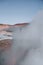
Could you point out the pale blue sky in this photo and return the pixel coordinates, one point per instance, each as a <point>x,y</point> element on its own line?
<point>18,11</point>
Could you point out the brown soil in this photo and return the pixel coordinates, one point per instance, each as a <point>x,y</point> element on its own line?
<point>5,44</point>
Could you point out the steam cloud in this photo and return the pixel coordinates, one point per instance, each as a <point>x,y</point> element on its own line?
<point>27,47</point>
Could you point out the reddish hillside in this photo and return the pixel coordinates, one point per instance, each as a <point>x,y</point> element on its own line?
<point>2,26</point>
<point>10,26</point>
<point>21,24</point>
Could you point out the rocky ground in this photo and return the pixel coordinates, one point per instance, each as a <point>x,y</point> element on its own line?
<point>4,47</point>
<point>5,44</point>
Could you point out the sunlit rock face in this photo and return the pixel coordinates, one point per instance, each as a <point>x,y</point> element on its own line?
<point>27,46</point>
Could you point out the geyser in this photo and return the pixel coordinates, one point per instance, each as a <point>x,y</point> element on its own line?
<point>27,46</point>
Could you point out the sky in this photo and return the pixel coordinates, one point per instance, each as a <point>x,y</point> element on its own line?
<point>19,11</point>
